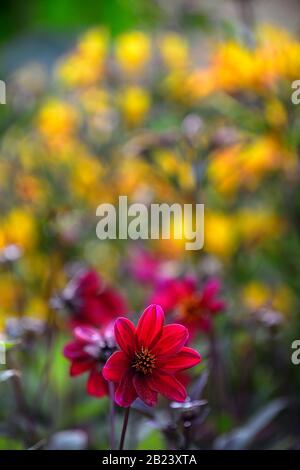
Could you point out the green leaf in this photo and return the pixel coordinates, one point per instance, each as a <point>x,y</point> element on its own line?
<point>153,441</point>
<point>6,443</point>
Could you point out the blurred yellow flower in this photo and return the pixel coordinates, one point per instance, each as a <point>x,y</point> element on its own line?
<point>279,52</point>
<point>57,120</point>
<point>174,50</point>
<point>220,234</point>
<point>85,66</point>
<point>244,165</point>
<point>256,225</point>
<point>95,100</point>
<point>236,67</point>
<point>133,50</point>
<point>177,87</point>
<point>20,228</point>
<point>202,83</point>
<point>134,104</point>
<point>94,44</point>
<point>257,295</point>
<point>276,114</point>
<point>10,292</point>
<point>175,167</point>
<point>37,307</point>
<point>86,179</point>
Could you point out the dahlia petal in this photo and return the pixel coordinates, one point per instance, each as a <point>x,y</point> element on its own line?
<point>116,366</point>
<point>74,351</point>
<point>88,283</point>
<point>183,377</point>
<point>150,325</point>
<point>113,302</point>
<point>95,311</point>
<point>145,393</point>
<point>216,306</point>
<point>184,359</point>
<point>125,335</point>
<point>126,393</point>
<point>168,386</point>
<point>205,323</point>
<point>87,334</point>
<point>210,289</point>
<point>170,292</point>
<point>96,384</point>
<point>172,340</point>
<point>79,367</point>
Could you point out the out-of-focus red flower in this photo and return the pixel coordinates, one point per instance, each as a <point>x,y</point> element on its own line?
<point>91,301</point>
<point>191,306</point>
<point>151,355</point>
<point>88,353</point>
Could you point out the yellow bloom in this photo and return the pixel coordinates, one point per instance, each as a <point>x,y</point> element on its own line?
<point>20,228</point>
<point>174,50</point>
<point>93,44</point>
<point>257,295</point>
<point>223,170</point>
<point>275,113</point>
<point>133,51</point>
<point>257,225</point>
<point>134,104</point>
<point>37,307</point>
<point>57,119</point>
<point>10,291</point>
<point>236,67</point>
<point>245,165</point>
<point>95,100</point>
<point>279,52</point>
<point>86,178</point>
<point>85,66</point>
<point>76,70</point>
<point>175,167</point>
<point>202,83</point>
<point>220,234</point>
<point>177,87</point>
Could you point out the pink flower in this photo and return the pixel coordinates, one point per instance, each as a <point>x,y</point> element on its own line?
<point>144,266</point>
<point>192,307</point>
<point>88,353</point>
<point>151,355</point>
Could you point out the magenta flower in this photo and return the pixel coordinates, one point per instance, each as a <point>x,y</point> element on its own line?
<point>144,266</point>
<point>91,301</point>
<point>193,307</point>
<point>88,353</point>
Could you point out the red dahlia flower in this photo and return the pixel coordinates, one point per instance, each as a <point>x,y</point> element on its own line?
<point>150,357</point>
<point>88,353</point>
<point>91,301</point>
<point>192,307</point>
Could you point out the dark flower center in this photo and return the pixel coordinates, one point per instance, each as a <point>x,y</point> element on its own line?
<point>144,361</point>
<point>190,308</point>
<point>101,352</point>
